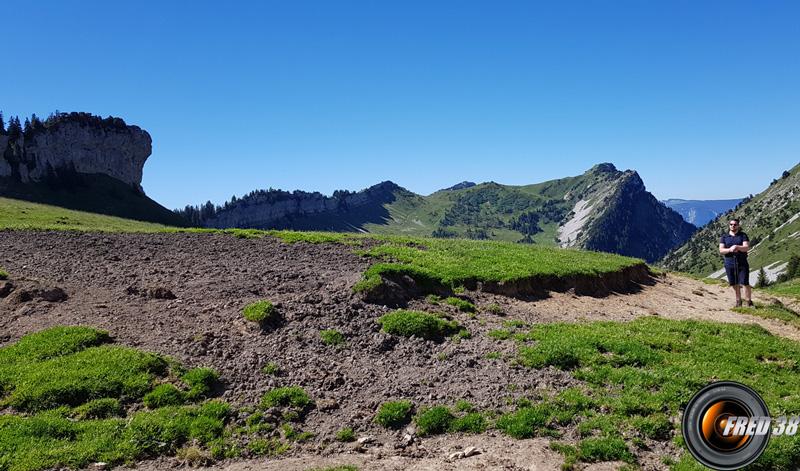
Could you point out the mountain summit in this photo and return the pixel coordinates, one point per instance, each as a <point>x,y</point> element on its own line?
<point>604,209</point>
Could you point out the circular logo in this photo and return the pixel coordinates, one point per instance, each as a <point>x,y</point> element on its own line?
<point>723,426</point>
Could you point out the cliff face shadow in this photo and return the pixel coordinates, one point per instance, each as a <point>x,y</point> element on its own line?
<point>95,193</point>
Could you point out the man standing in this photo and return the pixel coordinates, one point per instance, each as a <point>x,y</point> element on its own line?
<point>734,246</point>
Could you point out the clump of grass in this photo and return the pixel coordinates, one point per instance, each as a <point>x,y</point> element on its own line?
<point>499,334</point>
<point>267,447</point>
<point>164,395</point>
<point>775,310</point>
<point>3,274</point>
<point>493,356</point>
<point>515,324</point>
<point>288,396</point>
<point>271,369</point>
<point>98,409</point>
<point>434,420</point>
<point>440,419</point>
<point>596,449</point>
<point>260,312</point>
<point>193,455</point>
<point>346,435</point>
<point>332,337</point>
<point>462,304</point>
<point>525,422</point>
<point>418,324</point>
<point>290,433</point>
<point>394,414</point>
<point>495,309</point>
<point>433,298</point>
<point>201,381</point>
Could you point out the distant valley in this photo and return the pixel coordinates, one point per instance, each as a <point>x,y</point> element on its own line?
<point>701,212</point>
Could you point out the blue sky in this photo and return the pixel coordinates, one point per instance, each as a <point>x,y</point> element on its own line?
<point>701,98</point>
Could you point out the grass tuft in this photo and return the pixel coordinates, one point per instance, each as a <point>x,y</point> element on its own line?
<point>462,304</point>
<point>332,337</point>
<point>260,312</point>
<point>394,414</point>
<point>288,396</point>
<point>419,324</point>
<point>346,435</point>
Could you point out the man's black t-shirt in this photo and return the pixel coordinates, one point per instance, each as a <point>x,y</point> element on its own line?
<point>731,240</point>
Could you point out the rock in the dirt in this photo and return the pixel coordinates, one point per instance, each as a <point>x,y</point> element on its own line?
<point>327,404</point>
<point>159,292</point>
<point>365,440</point>
<point>53,295</point>
<point>6,287</point>
<point>456,456</point>
<point>100,465</point>
<point>471,451</point>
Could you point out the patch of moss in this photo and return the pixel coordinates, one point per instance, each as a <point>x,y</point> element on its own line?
<point>462,304</point>
<point>346,435</point>
<point>289,396</point>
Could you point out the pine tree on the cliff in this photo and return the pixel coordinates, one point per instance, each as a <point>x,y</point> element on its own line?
<point>2,125</point>
<point>14,128</point>
<point>36,123</point>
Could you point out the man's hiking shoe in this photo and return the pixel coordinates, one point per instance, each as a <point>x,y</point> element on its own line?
<point>749,303</point>
<point>738,303</point>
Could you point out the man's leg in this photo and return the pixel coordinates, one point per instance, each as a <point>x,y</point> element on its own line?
<point>748,294</point>
<point>737,289</point>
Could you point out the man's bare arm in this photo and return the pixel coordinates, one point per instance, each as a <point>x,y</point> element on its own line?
<point>723,250</point>
<point>744,247</point>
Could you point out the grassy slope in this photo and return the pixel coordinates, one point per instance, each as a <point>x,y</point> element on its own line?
<point>94,193</point>
<point>17,214</point>
<point>760,217</point>
<point>420,216</point>
<point>69,389</point>
<point>635,377</point>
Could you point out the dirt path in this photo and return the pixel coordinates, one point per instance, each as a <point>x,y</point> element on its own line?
<point>124,283</point>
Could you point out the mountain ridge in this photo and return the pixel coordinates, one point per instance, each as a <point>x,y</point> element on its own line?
<point>602,209</point>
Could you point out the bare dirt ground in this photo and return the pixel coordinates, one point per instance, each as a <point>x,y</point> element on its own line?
<point>181,295</point>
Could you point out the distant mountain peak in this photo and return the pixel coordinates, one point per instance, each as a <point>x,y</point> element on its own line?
<point>460,186</point>
<point>605,167</point>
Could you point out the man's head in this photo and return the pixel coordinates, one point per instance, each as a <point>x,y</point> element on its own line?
<point>733,225</point>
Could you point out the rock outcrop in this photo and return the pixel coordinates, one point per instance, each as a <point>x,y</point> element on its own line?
<point>76,143</point>
<point>277,209</point>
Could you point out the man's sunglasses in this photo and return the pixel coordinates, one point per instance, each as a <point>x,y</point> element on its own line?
<point>733,224</point>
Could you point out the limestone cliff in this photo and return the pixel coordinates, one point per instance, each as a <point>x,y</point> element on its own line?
<point>76,143</point>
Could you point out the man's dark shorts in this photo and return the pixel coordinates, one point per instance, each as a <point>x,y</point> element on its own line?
<point>742,277</point>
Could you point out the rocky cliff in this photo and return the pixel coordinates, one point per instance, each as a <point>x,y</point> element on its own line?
<point>275,209</point>
<point>80,161</point>
<point>75,143</point>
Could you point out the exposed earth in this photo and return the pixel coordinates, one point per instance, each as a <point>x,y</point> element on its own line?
<point>181,295</point>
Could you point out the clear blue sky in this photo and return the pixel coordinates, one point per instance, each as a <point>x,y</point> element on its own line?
<point>702,98</point>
